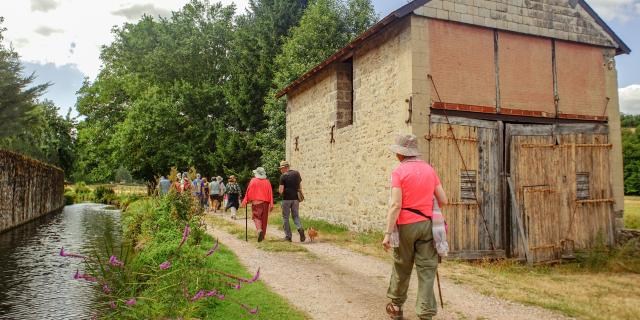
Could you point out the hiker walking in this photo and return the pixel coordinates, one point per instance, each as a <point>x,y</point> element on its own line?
<point>260,195</point>
<point>413,186</point>
<point>163,186</point>
<point>186,184</point>
<point>216,191</point>
<point>178,184</point>
<point>204,194</point>
<point>196,187</point>
<point>234,192</point>
<point>290,185</point>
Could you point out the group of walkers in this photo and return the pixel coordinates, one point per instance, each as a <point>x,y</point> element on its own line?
<point>415,228</point>
<point>213,195</point>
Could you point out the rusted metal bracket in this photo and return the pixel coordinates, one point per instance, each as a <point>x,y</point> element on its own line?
<point>296,142</point>
<point>333,127</point>
<point>410,102</point>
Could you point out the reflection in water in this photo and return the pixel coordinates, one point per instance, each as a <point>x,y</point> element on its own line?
<point>35,282</point>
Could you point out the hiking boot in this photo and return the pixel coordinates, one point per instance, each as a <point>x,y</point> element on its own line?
<point>260,236</point>
<point>287,239</point>
<point>394,311</point>
<point>302,237</point>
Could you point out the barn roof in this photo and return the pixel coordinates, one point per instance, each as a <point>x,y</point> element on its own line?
<point>408,9</point>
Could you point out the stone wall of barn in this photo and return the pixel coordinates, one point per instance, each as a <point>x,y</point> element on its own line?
<point>346,168</point>
<point>28,189</point>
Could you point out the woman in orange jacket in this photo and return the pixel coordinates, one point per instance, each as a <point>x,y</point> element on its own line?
<point>260,194</point>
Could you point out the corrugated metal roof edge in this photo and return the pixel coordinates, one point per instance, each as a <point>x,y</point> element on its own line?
<point>404,11</point>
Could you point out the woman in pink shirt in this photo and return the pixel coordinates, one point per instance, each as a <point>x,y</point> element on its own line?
<point>260,193</point>
<point>413,186</point>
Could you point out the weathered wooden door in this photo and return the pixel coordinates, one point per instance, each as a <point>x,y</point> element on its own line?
<point>562,198</point>
<point>469,169</point>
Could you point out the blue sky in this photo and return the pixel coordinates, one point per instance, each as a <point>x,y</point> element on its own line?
<point>60,40</point>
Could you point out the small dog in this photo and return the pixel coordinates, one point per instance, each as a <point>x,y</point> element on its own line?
<point>313,234</point>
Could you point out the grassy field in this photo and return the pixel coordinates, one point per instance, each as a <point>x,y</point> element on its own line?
<point>601,284</point>
<point>632,212</point>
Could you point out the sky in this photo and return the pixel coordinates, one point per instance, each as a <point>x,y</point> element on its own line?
<point>60,40</point>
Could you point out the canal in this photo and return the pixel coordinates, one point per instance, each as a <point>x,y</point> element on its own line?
<point>35,281</point>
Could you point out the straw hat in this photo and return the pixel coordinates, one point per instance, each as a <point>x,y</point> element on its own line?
<point>283,164</point>
<point>260,173</point>
<point>406,145</point>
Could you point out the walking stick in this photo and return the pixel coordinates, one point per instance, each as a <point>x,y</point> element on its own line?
<point>246,223</point>
<point>438,278</point>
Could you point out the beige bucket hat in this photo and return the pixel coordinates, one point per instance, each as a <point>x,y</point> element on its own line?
<point>283,164</point>
<point>406,145</point>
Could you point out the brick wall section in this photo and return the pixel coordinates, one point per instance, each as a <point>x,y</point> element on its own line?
<point>344,94</point>
<point>347,181</point>
<point>462,63</point>
<point>581,82</point>
<point>558,19</point>
<point>28,189</point>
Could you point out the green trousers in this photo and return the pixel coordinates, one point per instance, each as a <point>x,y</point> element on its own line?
<point>416,245</point>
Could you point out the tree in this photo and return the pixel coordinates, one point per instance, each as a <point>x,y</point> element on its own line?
<point>17,94</point>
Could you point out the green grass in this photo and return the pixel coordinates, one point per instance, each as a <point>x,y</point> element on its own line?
<point>632,212</point>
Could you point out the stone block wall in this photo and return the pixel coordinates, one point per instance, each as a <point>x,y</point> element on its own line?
<point>346,171</point>
<point>28,189</point>
<point>559,19</point>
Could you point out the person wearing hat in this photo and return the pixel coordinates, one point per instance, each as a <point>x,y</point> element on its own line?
<point>260,195</point>
<point>216,191</point>
<point>235,193</point>
<point>413,186</point>
<point>290,185</point>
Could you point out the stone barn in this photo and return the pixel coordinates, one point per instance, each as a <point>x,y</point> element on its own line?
<point>516,104</point>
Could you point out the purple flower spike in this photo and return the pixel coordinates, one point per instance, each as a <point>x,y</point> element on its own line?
<point>256,277</point>
<point>112,305</point>
<point>234,285</point>
<point>220,296</point>
<point>185,235</point>
<point>212,293</point>
<point>198,296</point>
<point>106,289</point>
<point>115,262</point>
<point>77,275</point>
<point>165,265</point>
<point>251,311</point>
<point>87,277</point>
<point>70,255</point>
<point>215,247</point>
<point>254,311</point>
<point>131,301</point>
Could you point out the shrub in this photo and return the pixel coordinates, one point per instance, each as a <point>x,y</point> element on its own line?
<point>69,197</point>
<point>104,194</point>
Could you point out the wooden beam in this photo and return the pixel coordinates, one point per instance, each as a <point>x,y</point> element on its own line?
<point>516,214</point>
<point>477,255</point>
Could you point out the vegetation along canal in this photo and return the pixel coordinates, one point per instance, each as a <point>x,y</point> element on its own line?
<point>35,281</point>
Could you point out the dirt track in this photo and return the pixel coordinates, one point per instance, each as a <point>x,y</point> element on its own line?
<point>335,283</point>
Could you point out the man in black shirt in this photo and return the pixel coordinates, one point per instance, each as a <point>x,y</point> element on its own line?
<point>290,184</point>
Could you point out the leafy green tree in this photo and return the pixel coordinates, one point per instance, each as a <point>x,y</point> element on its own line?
<point>17,94</point>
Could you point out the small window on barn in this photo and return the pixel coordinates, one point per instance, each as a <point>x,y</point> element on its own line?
<point>344,112</point>
<point>468,181</point>
<point>582,185</point>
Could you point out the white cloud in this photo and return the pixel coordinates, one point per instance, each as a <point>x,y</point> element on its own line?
<point>43,5</point>
<point>47,31</point>
<point>133,12</point>
<point>87,23</point>
<point>621,10</point>
<point>630,99</point>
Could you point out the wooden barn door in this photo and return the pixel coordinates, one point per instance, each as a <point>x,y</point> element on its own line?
<point>469,167</point>
<point>559,177</point>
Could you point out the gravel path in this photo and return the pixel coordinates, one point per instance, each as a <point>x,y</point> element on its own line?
<point>335,283</point>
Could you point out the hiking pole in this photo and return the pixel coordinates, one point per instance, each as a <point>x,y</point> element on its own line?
<point>246,223</point>
<point>439,288</point>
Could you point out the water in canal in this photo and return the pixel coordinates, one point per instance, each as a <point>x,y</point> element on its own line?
<point>35,281</point>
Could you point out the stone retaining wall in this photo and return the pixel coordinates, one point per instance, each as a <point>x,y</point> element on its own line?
<point>28,189</point>
<point>626,235</point>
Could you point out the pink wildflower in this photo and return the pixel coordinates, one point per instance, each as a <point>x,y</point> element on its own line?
<point>215,247</point>
<point>131,302</point>
<point>115,262</point>
<point>87,277</point>
<point>251,311</point>
<point>185,234</point>
<point>165,265</point>
<point>255,277</point>
<point>112,305</point>
<point>70,255</point>
<point>106,289</point>
<point>198,296</point>
<point>212,293</point>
